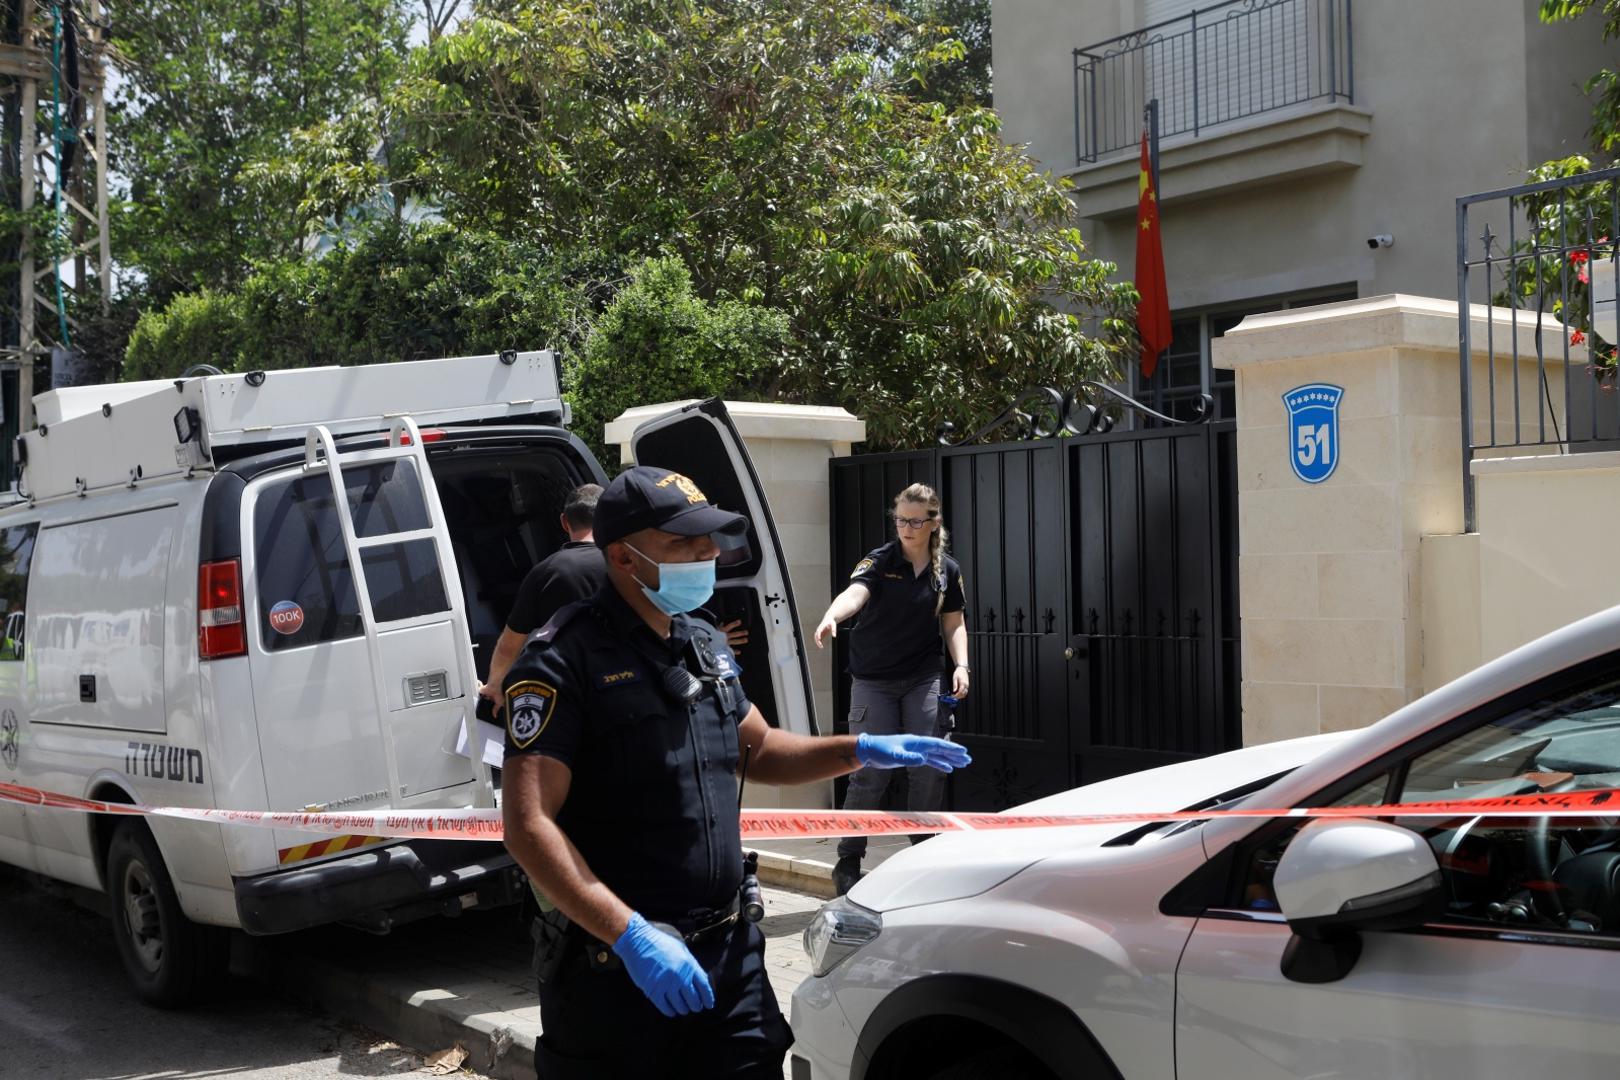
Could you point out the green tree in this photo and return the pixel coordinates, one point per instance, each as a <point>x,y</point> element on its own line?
<point>1573,226</point>
<point>392,292</point>
<point>206,88</point>
<point>658,341</point>
<point>965,79</point>
<point>1605,84</point>
<point>775,148</point>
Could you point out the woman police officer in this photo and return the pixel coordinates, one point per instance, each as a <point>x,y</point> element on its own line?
<point>907,592</point>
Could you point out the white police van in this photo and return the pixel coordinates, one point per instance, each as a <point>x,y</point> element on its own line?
<point>193,619</point>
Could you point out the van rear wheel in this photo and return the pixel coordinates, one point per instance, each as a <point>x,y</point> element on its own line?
<point>170,959</point>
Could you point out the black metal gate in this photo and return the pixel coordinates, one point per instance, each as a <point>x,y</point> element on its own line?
<point>1101,580</point>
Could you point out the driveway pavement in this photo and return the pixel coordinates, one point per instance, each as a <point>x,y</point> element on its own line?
<point>435,983</point>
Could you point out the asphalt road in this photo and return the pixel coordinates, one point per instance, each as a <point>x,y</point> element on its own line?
<point>66,1012</point>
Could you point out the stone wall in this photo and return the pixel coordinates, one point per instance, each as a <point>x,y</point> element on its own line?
<point>1331,574</point>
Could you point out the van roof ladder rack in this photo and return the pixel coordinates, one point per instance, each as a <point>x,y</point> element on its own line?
<point>114,435</point>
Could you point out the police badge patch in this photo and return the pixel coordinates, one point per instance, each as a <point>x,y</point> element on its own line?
<point>861,567</point>
<point>528,710</point>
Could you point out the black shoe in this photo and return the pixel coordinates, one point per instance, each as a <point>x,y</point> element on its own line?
<point>846,872</point>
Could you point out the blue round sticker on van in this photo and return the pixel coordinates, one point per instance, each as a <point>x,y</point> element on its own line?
<point>286,617</point>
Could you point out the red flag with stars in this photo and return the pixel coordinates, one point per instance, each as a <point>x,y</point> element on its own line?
<point>1153,311</point>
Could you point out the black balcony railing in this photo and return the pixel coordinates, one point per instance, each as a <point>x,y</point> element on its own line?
<point>1211,66</point>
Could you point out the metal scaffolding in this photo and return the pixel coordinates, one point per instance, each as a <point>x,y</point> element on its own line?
<point>53,105</point>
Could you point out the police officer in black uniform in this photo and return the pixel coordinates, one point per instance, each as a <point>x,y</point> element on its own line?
<point>626,732</point>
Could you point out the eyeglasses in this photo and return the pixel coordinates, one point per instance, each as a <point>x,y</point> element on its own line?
<point>912,523</point>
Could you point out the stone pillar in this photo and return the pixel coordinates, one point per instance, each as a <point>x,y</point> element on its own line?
<point>790,446</point>
<point>1330,582</point>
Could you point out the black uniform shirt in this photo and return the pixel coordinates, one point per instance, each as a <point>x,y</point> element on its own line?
<point>572,572</point>
<point>652,806</point>
<point>897,634</point>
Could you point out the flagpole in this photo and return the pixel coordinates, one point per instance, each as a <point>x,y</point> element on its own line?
<point>1150,121</point>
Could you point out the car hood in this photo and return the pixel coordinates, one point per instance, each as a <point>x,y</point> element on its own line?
<point>954,865</point>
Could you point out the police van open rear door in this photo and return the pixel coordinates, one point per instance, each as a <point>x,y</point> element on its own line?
<point>701,443</point>
<point>362,665</point>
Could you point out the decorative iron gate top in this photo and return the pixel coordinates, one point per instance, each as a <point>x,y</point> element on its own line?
<point>1042,412</point>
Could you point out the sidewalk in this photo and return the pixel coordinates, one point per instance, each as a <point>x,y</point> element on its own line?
<point>438,982</point>
<point>807,865</point>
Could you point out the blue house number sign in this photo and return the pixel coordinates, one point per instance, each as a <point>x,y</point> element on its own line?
<point>1313,430</point>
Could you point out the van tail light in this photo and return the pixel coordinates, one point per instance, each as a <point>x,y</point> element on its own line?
<point>220,629</point>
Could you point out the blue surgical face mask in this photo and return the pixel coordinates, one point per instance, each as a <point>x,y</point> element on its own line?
<point>682,586</point>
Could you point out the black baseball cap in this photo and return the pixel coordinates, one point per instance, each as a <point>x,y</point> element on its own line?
<point>643,497</point>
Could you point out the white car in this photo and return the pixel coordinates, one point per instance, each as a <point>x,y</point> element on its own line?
<point>1261,948</point>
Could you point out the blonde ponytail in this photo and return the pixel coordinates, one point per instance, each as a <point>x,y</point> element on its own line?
<point>938,541</point>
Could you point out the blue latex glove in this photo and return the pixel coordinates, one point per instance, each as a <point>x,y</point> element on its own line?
<point>664,969</point>
<point>902,751</point>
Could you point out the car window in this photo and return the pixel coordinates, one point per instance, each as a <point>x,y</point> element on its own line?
<point>306,587</point>
<point>16,553</point>
<point>1547,873</point>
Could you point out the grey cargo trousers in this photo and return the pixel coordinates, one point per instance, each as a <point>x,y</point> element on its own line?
<point>907,706</point>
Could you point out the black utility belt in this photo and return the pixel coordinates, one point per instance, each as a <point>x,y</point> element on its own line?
<point>699,926</point>
<point>700,923</point>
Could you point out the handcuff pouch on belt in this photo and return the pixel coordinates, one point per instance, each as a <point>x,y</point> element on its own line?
<point>554,944</point>
<point>557,942</point>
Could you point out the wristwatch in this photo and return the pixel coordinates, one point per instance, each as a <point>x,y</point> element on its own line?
<point>965,668</point>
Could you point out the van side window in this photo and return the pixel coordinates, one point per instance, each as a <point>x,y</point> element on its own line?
<point>306,586</point>
<point>16,553</point>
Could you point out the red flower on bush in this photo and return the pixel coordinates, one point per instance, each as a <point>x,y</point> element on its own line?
<point>1584,278</point>
<point>1578,257</point>
<point>1577,338</point>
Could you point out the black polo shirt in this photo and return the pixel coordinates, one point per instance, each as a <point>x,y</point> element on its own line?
<point>652,805</point>
<point>572,572</point>
<point>897,634</point>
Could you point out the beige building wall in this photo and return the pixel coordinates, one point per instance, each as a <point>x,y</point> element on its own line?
<point>1451,97</point>
<point>790,446</point>
<point>1534,565</point>
<point>1332,575</point>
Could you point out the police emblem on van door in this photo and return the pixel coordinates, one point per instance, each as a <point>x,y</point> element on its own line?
<point>528,710</point>
<point>1313,430</point>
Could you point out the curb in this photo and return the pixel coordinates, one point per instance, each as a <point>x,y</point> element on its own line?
<point>498,1044</point>
<point>802,875</point>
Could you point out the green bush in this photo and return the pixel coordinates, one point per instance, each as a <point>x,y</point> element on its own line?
<point>197,328</point>
<point>658,341</point>
<point>394,292</point>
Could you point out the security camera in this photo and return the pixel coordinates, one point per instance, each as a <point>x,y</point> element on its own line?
<point>1383,239</point>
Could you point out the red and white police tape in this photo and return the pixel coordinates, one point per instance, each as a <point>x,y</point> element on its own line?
<point>800,824</point>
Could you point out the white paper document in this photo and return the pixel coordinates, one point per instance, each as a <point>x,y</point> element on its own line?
<point>491,738</point>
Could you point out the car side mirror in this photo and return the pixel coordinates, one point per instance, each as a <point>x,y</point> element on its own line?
<point>1342,876</point>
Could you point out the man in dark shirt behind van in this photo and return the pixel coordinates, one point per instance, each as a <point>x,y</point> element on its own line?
<point>572,572</point>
